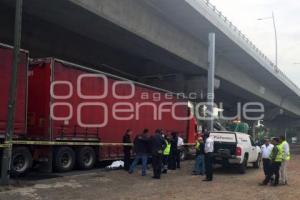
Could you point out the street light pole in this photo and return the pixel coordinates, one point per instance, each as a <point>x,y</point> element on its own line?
<point>211,80</point>
<point>276,41</point>
<point>275,33</point>
<point>7,152</point>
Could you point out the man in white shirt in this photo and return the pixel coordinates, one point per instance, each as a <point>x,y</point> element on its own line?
<point>209,149</point>
<point>266,150</point>
<point>180,148</point>
<point>180,142</point>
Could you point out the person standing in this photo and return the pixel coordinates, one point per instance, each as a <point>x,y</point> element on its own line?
<point>180,149</point>
<point>266,150</point>
<point>166,155</point>
<point>127,148</point>
<point>173,151</point>
<point>199,168</point>
<point>141,146</point>
<point>285,160</point>
<point>276,159</point>
<point>209,150</point>
<point>157,146</point>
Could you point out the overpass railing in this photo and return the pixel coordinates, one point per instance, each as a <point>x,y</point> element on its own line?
<point>281,75</point>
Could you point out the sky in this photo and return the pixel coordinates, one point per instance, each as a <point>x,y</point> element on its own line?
<point>244,15</point>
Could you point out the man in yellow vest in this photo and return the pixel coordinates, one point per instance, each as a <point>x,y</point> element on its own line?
<point>286,157</point>
<point>199,168</point>
<point>166,154</point>
<point>276,158</point>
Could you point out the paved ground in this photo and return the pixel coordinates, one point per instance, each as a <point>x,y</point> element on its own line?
<point>119,185</point>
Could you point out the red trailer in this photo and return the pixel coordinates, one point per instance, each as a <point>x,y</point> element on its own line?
<point>6,59</point>
<point>77,115</point>
<point>96,96</point>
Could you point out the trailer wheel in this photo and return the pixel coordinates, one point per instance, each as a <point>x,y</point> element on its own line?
<point>64,159</point>
<point>21,161</point>
<point>86,158</point>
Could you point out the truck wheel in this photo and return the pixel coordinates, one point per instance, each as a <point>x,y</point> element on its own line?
<point>64,159</point>
<point>243,166</point>
<point>86,158</point>
<point>21,161</point>
<point>258,162</point>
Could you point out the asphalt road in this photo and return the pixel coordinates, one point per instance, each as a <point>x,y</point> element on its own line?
<point>180,184</point>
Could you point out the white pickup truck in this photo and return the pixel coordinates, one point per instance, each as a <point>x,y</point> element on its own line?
<point>233,148</point>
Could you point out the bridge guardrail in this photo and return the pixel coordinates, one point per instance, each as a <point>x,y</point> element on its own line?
<point>232,27</point>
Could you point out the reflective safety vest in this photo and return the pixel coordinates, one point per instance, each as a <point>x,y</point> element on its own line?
<point>279,157</point>
<point>197,145</point>
<point>288,157</point>
<point>167,149</point>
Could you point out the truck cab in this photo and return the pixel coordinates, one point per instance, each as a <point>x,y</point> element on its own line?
<point>236,149</point>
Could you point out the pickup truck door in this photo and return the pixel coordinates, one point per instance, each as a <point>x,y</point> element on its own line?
<point>253,151</point>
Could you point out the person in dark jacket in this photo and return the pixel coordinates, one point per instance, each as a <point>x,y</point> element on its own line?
<point>173,151</point>
<point>141,146</point>
<point>157,146</point>
<point>127,148</point>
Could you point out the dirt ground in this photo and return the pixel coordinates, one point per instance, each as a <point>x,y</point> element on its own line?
<point>179,184</point>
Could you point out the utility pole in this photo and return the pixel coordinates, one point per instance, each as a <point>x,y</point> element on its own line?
<point>275,33</point>
<point>211,80</point>
<point>276,40</point>
<point>7,152</point>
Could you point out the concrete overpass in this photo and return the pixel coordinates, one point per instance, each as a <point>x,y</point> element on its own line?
<point>159,42</point>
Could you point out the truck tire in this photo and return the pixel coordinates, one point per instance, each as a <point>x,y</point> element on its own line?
<point>64,159</point>
<point>256,164</point>
<point>243,166</point>
<point>86,158</point>
<point>21,161</point>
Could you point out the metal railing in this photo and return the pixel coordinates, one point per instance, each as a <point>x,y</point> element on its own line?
<point>242,36</point>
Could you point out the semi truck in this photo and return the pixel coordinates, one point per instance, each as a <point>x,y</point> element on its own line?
<point>70,116</point>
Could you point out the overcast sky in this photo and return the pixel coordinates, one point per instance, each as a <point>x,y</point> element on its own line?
<point>244,14</point>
